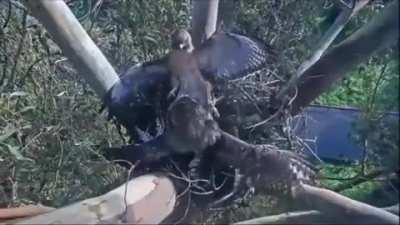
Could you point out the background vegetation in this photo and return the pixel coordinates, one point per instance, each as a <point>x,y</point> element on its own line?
<point>52,134</point>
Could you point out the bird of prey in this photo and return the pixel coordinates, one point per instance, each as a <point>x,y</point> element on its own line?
<point>139,99</point>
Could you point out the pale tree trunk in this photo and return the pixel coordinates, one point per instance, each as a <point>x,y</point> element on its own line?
<point>75,43</point>
<point>204,19</point>
<point>381,32</point>
<point>148,199</point>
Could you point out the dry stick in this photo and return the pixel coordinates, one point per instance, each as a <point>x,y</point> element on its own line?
<point>341,20</point>
<point>76,44</point>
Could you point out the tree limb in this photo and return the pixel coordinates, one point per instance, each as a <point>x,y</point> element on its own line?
<point>23,211</point>
<point>147,199</point>
<point>204,19</point>
<point>76,44</point>
<point>340,22</point>
<point>339,206</point>
<point>305,217</point>
<point>393,209</point>
<point>381,32</point>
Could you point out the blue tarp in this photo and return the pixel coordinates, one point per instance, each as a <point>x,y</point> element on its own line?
<point>327,131</point>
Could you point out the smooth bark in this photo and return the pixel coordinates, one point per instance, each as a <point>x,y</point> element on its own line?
<point>381,32</point>
<point>75,43</point>
<point>204,19</point>
<point>348,210</point>
<point>147,199</point>
<point>330,35</point>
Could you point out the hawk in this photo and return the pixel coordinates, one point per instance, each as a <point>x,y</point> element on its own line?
<point>138,101</point>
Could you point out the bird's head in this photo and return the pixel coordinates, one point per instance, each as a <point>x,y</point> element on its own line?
<point>181,40</point>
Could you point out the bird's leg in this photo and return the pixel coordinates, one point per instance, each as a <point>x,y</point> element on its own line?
<point>172,94</point>
<point>212,101</point>
<point>175,83</point>
<point>194,166</point>
<point>142,135</point>
<point>237,185</point>
<point>214,109</point>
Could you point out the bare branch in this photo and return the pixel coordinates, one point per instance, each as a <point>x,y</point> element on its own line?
<point>305,217</point>
<point>287,218</point>
<point>339,206</point>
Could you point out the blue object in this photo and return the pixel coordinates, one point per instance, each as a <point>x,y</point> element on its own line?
<point>327,130</point>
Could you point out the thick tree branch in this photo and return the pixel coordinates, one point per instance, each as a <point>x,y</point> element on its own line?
<point>76,44</point>
<point>23,212</point>
<point>341,20</point>
<point>381,32</point>
<point>147,199</point>
<point>204,19</point>
<point>306,217</point>
<point>332,203</point>
<point>393,209</point>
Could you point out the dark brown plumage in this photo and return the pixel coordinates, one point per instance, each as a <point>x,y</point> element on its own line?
<point>136,100</point>
<point>185,74</point>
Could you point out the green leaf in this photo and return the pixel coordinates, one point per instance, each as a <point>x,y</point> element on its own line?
<point>18,94</point>
<point>7,134</point>
<point>14,150</point>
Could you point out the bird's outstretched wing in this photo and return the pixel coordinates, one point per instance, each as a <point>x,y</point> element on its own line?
<point>230,56</point>
<point>136,100</point>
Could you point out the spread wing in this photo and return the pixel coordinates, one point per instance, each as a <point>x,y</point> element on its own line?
<point>136,100</point>
<point>230,56</point>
